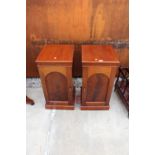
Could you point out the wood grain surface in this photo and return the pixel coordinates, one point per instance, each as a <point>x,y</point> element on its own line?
<point>97,86</point>
<point>56,54</point>
<point>55,68</point>
<point>56,84</point>
<point>77,20</point>
<point>98,76</point>
<point>99,54</point>
<point>73,21</point>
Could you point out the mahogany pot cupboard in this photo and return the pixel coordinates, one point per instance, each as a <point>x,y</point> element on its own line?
<point>55,68</point>
<point>99,66</point>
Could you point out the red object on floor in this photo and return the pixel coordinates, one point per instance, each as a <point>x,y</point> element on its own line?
<point>29,101</point>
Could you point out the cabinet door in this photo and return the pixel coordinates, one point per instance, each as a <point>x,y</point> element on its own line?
<point>97,86</point>
<point>57,87</point>
<point>96,80</point>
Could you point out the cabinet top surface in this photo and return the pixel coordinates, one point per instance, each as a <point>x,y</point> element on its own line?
<point>99,54</point>
<point>56,54</point>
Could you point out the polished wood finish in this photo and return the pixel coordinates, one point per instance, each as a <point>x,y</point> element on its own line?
<point>29,101</point>
<point>55,68</point>
<point>95,107</point>
<point>32,71</point>
<point>64,21</point>
<point>98,54</point>
<point>53,54</point>
<point>97,87</point>
<point>56,87</point>
<point>99,66</point>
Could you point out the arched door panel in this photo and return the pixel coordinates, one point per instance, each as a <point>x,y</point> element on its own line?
<point>97,86</point>
<point>57,89</point>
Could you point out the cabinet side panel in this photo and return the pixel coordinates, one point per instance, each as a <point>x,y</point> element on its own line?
<point>111,83</point>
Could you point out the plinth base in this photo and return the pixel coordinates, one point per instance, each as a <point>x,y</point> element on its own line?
<point>59,107</point>
<point>95,107</point>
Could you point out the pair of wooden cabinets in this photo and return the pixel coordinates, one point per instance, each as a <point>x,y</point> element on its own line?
<point>99,66</point>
